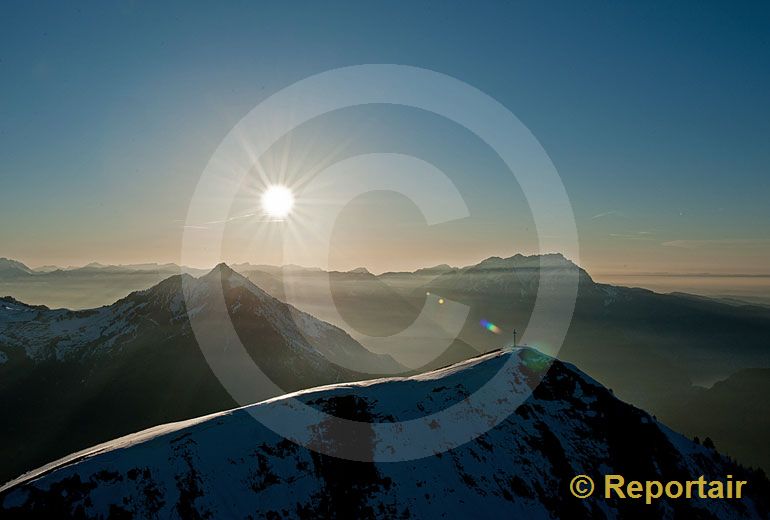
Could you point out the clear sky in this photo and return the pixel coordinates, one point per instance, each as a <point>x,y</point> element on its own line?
<point>656,115</point>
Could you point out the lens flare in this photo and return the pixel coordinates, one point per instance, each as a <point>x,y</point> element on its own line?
<point>491,327</point>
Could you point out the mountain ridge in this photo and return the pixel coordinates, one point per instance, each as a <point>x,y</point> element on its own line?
<point>567,424</point>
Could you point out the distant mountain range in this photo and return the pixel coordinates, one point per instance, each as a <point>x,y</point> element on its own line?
<point>230,465</point>
<point>138,363</point>
<point>85,287</point>
<point>369,305</point>
<point>10,267</point>
<point>681,338</point>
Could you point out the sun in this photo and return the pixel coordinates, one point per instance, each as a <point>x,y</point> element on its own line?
<point>277,201</point>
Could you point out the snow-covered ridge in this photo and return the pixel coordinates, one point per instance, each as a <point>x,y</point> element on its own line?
<point>229,464</point>
<point>305,395</point>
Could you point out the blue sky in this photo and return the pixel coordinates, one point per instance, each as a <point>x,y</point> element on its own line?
<point>657,117</point>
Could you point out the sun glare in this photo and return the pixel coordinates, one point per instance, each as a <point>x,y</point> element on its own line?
<point>277,201</point>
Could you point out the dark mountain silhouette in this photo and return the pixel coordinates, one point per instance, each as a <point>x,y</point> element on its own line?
<point>734,413</point>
